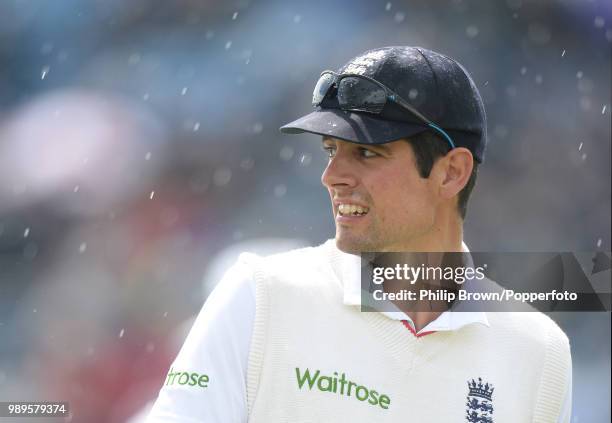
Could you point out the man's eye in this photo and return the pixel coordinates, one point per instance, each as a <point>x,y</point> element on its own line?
<point>331,151</point>
<point>367,153</point>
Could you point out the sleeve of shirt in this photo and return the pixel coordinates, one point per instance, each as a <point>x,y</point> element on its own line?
<point>566,408</point>
<point>207,380</point>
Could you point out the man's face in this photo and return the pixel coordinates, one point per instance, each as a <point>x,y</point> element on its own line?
<point>379,200</point>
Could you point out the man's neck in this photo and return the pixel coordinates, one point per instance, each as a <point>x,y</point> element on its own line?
<point>447,237</point>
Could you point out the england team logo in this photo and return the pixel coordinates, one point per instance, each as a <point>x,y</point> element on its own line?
<point>479,402</point>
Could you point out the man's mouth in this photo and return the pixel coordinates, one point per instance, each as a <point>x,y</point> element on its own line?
<point>352,210</point>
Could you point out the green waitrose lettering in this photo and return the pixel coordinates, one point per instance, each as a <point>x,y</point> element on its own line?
<point>186,378</point>
<point>340,385</point>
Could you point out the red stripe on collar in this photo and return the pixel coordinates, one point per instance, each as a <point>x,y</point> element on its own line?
<point>411,329</point>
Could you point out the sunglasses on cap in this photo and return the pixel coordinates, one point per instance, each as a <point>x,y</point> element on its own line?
<point>359,93</point>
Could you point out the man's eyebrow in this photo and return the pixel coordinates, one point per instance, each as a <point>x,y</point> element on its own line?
<point>383,147</point>
<point>380,147</point>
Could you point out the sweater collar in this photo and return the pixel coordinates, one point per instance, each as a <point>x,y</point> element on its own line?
<point>350,275</point>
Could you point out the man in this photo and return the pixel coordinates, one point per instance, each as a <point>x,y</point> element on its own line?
<point>283,339</point>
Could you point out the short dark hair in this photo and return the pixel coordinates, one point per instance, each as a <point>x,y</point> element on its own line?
<point>428,147</point>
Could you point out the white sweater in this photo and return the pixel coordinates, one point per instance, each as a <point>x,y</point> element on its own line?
<point>313,359</point>
<point>218,346</point>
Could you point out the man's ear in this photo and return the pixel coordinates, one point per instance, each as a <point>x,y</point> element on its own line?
<point>454,170</point>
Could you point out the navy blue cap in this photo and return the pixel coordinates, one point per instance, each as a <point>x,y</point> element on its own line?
<point>436,85</point>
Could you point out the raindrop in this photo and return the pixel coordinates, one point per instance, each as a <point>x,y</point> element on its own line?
<point>563,53</point>
<point>165,314</point>
<point>228,45</point>
<point>121,332</point>
<point>297,19</point>
<point>237,235</point>
<point>305,159</point>
<point>538,33</point>
<point>26,233</point>
<point>150,347</point>
<point>152,195</point>
<point>222,176</point>
<point>184,91</point>
<point>196,127</point>
<point>134,59</point>
<point>603,110</point>
<point>76,188</point>
<point>82,247</point>
<point>501,131</point>
<point>413,93</point>
<point>247,164</point>
<point>599,22</point>
<point>388,6</point>
<point>46,48</point>
<point>471,31</point>
<point>399,17</point>
<point>511,90</point>
<point>598,242</point>
<point>148,156</point>
<point>539,79</point>
<point>609,34</point>
<point>523,70</point>
<point>584,156</point>
<point>579,74</point>
<point>209,35</point>
<point>280,190</point>
<point>585,103</point>
<point>145,97</point>
<point>257,128</point>
<point>34,310</point>
<point>44,72</point>
<point>234,16</point>
<point>286,153</point>
<point>580,146</point>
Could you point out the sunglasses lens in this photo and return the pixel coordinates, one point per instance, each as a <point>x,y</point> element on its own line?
<point>361,95</point>
<point>325,81</point>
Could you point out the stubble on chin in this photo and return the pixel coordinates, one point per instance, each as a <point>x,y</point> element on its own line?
<point>352,244</point>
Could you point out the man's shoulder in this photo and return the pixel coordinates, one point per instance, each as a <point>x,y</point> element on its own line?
<point>296,260</point>
<point>529,328</point>
<point>296,273</point>
<point>520,320</point>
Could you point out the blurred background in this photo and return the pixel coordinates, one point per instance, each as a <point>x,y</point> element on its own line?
<point>140,152</point>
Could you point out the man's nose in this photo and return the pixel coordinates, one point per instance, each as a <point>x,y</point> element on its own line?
<point>339,173</point>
